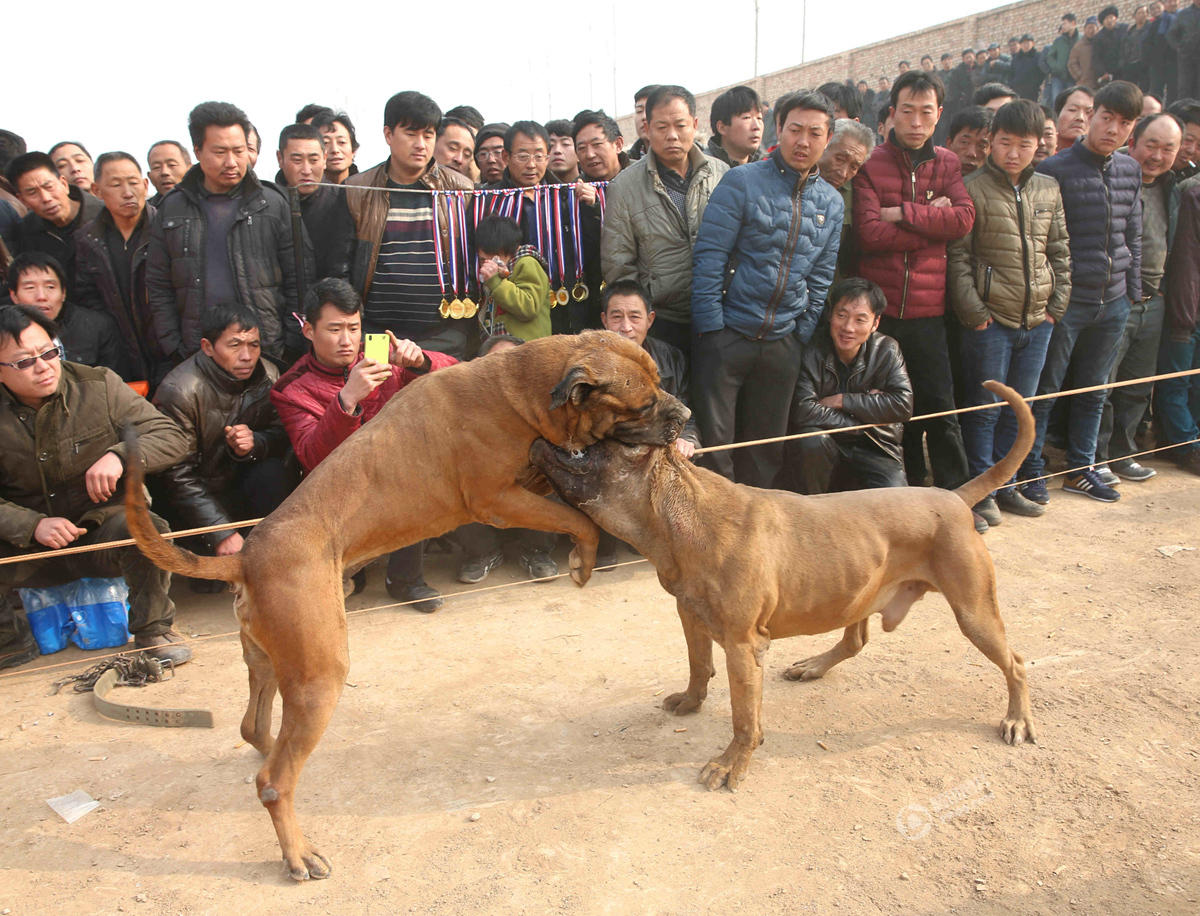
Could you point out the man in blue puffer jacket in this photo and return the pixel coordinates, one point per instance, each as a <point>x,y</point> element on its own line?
<point>762,265</point>
<point>1101,192</point>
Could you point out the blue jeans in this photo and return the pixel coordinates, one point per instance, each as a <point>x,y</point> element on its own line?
<point>1014,356</point>
<point>1137,355</point>
<point>1085,341</point>
<point>1177,400</point>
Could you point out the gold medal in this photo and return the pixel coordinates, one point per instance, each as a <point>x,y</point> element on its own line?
<point>602,285</point>
<point>579,292</point>
<point>456,309</point>
<point>470,309</point>
<point>562,297</point>
<point>444,309</point>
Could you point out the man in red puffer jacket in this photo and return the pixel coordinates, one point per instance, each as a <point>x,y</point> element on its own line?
<point>909,201</point>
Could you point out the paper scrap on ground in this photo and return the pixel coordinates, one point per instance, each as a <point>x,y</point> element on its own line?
<point>1172,549</point>
<point>74,806</point>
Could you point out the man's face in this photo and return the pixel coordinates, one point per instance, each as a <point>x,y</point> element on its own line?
<point>742,135</point>
<point>1156,9</point>
<point>302,163</point>
<point>926,63</point>
<point>527,160</point>
<point>842,159</point>
<point>672,131</point>
<point>167,166</point>
<point>1013,154</point>
<point>993,53</point>
<point>1049,141</point>
<point>850,324</point>
<point>563,160</point>
<point>41,289</point>
<point>489,156</point>
<point>237,350</point>
<point>883,85</point>
<point>639,120</point>
<point>412,147</point>
<point>1075,115</point>
<point>969,58</point>
<point>999,102</point>
<point>33,385</point>
<point>803,136</point>
<point>629,317</point>
<point>336,337</point>
<point>599,157</point>
<point>253,142</point>
<point>455,149</point>
<point>1189,149</point>
<point>947,64</point>
<point>47,194</point>
<point>1067,27</point>
<point>1110,21</point>
<point>223,158</point>
<point>1107,131</point>
<point>339,150</point>
<point>1157,148</point>
<point>903,67</point>
<point>971,148</point>
<point>123,189</point>
<point>1014,47</point>
<point>75,165</point>
<point>914,117</point>
<point>1027,45</point>
<point>1090,29</point>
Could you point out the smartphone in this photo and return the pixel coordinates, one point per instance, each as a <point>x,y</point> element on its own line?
<point>377,347</point>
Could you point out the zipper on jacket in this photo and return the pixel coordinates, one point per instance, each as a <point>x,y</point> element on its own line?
<point>904,294</point>
<point>785,264</point>
<point>1107,232</point>
<point>987,283</point>
<point>1024,255</point>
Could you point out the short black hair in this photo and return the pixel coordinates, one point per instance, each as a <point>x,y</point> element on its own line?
<point>490,131</point>
<point>312,110</point>
<point>1060,100</point>
<point>1186,110</point>
<point>490,343</point>
<point>904,63</point>
<point>327,122</point>
<point>29,162</point>
<point>857,288</point>
<point>1106,12</point>
<point>805,100</point>
<point>331,291</point>
<point>731,103</point>
<point>918,81</point>
<point>989,91</point>
<point>1021,118</point>
<point>1140,127</point>
<point>448,122</point>
<point>1120,97</point>
<point>215,114</point>
<point>844,97</point>
<point>11,146</point>
<point>644,93</point>
<point>469,115</point>
<point>587,117</point>
<point>660,95</point>
<point>299,131</point>
<point>624,288</point>
<point>928,57</point>
<point>411,110</point>
<point>947,56</point>
<point>114,156</point>
<point>187,157</point>
<point>531,129</point>
<point>217,319</point>
<point>62,143</point>
<point>885,111</point>
<point>973,117</point>
<point>257,137</point>
<point>559,127</point>
<point>14,319</point>
<point>1068,17</point>
<point>1048,112</point>
<point>36,260</point>
<point>497,234</point>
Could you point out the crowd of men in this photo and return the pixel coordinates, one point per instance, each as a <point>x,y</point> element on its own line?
<point>840,279</point>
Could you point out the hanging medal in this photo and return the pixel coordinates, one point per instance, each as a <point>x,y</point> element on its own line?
<point>456,307</point>
<point>444,308</point>
<point>561,296</point>
<point>469,307</point>
<point>600,202</point>
<point>579,291</point>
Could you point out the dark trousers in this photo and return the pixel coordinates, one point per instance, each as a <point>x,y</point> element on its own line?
<point>478,540</point>
<point>1137,357</point>
<point>454,337</point>
<point>741,390</point>
<point>1189,76</point>
<point>151,611</point>
<point>926,354</point>
<point>1163,78</point>
<point>828,464</point>
<point>1177,400</point>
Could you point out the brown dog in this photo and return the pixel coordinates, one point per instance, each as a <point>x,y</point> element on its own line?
<point>450,448</point>
<point>748,566</point>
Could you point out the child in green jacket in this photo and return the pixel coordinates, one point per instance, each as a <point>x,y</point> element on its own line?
<point>515,280</point>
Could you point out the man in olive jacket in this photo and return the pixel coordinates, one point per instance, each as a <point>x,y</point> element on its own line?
<point>62,460</point>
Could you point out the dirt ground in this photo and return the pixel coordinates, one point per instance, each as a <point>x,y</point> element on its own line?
<point>508,755</point>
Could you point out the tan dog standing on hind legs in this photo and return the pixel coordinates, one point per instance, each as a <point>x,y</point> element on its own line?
<point>463,434</point>
<point>748,566</point>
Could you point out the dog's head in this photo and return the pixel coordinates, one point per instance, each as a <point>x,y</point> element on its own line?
<point>609,387</point>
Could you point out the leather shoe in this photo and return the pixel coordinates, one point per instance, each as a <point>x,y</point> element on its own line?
<point>425,599</point>
<point>167,647</point>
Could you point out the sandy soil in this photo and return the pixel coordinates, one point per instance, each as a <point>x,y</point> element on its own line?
<point>882,788</point>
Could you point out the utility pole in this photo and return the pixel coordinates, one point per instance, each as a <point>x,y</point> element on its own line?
<point>803,28</point>
<point>756,39</point>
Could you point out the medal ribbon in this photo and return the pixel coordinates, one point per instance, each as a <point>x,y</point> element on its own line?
<point>450,232</point>
<point>559,249</point>
<point>437,246</point>
<point>573,206</point>
<point>461,203</point>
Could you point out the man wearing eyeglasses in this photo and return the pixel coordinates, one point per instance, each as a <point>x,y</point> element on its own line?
<point>62,460</point>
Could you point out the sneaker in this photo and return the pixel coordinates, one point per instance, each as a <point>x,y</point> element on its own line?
<point>1035,491</point>
<point>1088,483</point>
<point>981,524</point>
<point>425,599</point>
<point>539,565</point>
<point>1131,470</point>
<point>1107,477</point>
<point>476,569</point>
<point>1010,500</point>
<point>167,647</point>
<point>1189,460</point>
<point>986,507</point>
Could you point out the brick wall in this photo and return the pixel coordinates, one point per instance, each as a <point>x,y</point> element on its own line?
<point>1039,17</point>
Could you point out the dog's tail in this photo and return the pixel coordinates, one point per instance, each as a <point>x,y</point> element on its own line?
<point>998,474</point>
<point>160,551</point>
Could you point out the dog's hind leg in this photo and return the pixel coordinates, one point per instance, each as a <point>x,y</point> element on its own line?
<point>851,643</point>
<point>256,724</point>
<point>743,661</point>
<point>700,665</point>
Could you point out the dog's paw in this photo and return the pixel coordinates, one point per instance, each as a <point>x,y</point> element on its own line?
<point>580,572</point>
<point>682,703</point>
<point>727,770</point>
<point>311,865</point>
<point>807,670</point>
<point>1017,731</point>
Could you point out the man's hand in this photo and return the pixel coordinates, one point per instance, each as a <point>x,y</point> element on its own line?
<point>985,325</point>
<point>57,532</point>
<point>240,439</point>
<point>585,192</point>
<point>230,546</point>
<point>685,447</point>
<point>404,353</point>
<point>491,267</point>
<point>941,202</point>
<point>833,400</point>
<point>101,478</point>
<point>364,378</point>
<point>891,214</point>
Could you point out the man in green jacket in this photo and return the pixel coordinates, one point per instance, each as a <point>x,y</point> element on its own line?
<point>62,460</point>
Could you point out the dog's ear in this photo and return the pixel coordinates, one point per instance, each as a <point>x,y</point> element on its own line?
<point>575,386</point>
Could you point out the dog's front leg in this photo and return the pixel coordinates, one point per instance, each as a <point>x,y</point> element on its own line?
<point>518,508</point>
<point>700,664</point>
<point>743,660</point>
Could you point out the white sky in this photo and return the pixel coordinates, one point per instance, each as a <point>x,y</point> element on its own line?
<point>123,75</point>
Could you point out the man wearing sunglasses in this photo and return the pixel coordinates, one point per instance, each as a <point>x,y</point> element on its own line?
<point>62,460</point>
